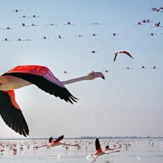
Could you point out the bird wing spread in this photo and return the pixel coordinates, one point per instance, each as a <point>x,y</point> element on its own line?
<point>43,78</point>
<point>11,113</point>
<point>59,138</point>
<point>115,57</point>
<point>98,145</point>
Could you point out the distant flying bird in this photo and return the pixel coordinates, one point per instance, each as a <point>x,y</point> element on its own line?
<point>95,23</point>
<point>79,35</point>
<point>60,37</point>
<point>99,150</point>
<point>154,67</point>
<point>139,23</point>
<point>146,21</point>
<point>94,34</point>
<point>106,71</point>
<point>122,52</point>
<point>152,34</point>
<point>128,68</point>
<point>24,25</point>
<point>56,142</point>
<point>155,9</point>
<point>143,67</point>
<point>24,16</point>
<point>65,72</point>
<point>6,39</point>
<point>94,51</point>
<point>16,10</point>
<point>35,16</point>
<point>114,34</point>
<point>69,23</point>
<point>40,76</point>
<point>19,39</point>
<point>27,39</point>
<point>34,25</point>
<point>51,24</point>
<point>157,25</point>
<point>45,38</point>
<point>7,28</point>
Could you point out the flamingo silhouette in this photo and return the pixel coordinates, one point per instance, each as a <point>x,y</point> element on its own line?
<point>122,52</point>
<point>40,76</point>
<point>99,150</point>
<point>56,142</point>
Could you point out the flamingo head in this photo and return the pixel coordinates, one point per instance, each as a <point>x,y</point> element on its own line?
<point>94,75</point>
<point>99,75</point>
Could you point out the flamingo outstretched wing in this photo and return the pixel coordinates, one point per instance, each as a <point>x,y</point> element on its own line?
<point>126,52</point>
<point>98,145</point>
<point>42,77</point>
<point>11,113</point>
<point>59,139</point>
<point>115,56</point>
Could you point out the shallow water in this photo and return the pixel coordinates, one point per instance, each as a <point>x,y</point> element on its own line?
<point>131,151</point>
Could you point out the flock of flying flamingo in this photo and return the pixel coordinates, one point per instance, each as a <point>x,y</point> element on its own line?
<point>41,76</point>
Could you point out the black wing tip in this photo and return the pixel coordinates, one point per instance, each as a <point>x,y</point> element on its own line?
<point>21,131</point>
<point>71,99</point>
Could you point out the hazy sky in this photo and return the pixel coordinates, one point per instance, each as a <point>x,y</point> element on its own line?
<point>129,102</point>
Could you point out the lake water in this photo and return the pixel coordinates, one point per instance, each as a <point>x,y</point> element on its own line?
<point>131,151</point>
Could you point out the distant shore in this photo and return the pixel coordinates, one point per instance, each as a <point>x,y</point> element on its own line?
<point>89,137</point>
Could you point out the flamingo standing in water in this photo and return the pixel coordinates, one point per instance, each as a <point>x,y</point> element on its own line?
<point>40,76</point>
<point>99,150</point>
<point>122,52</point>
<point>56,142</point>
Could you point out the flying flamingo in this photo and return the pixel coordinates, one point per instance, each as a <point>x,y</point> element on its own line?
<point>154,67</point>
<point>40,76</point>
<point>157,25</point>
<point>128,68</point>
<point>56,142</point>
<point>115,34</point>
<point>122,52</point>
<point>7,28</point>
<point>152,34</point>
<point>69,23</point>
<point>143,67</point>
<point>16,10</point>
<point>95,23</point>
<point>99,150</point>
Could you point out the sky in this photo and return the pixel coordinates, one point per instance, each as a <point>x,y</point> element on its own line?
<point>129,102</point>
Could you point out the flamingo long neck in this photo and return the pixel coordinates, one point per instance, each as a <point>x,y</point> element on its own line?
<point>74,80</point>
